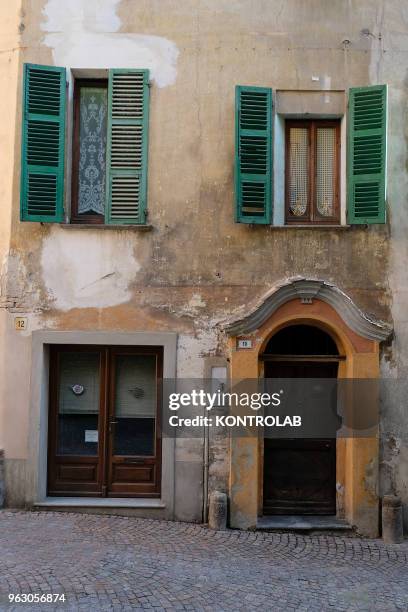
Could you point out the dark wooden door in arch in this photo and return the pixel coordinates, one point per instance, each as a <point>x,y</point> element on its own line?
<point>300,473</point>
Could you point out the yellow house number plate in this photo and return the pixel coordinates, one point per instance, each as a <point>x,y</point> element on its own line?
<point>20,323</point>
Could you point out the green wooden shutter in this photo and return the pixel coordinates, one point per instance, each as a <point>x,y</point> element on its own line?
<point>43,144</point>
<point>128,108</point>
<point>253,154</point>
<point>366,154</point>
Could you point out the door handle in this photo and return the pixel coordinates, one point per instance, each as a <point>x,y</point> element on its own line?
<point>110,425</point>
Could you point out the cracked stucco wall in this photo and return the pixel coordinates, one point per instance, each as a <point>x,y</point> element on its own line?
<point>196,267</point>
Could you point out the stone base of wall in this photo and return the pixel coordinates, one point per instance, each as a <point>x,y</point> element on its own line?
<point>14,479</point>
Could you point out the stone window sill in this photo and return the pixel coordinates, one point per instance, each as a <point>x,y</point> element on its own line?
<point>101,226</point>
<point>311,226</point>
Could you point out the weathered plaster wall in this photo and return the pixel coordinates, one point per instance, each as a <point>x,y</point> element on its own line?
<point>12,403</point>
<point>389,64</point>
<point>80,34</point>
<point>98,278</point>
<point>196,267</point>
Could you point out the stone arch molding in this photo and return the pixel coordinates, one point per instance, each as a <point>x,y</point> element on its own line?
<point>307,290</point>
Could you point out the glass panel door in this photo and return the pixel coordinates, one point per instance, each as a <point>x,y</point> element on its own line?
<point>104,421</point>
<point>133,421</point>
<point>76,421</point>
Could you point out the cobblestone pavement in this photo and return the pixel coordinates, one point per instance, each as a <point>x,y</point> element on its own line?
<point>114,563</point>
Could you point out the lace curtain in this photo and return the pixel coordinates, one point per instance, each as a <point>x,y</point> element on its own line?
<point>299,171</point>
<point>92,150</point>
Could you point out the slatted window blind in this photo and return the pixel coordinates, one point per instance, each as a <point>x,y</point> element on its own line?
<point>128,99</point>
<point>366,158</point>
<point>43,144</point>
<point>253,154</point>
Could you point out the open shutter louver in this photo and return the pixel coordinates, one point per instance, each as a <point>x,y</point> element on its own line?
<point>253,154</point>
<point>127,146</point>
<point>43,144</point>
<point>366,161</point>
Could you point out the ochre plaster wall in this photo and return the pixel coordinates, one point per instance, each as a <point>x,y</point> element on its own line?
<point>357,458</point>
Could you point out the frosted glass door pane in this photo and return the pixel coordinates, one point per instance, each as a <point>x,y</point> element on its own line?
<point>78,403</point>
<point>135,405</point>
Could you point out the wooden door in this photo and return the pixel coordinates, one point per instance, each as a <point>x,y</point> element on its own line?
<point>300,474</point>
<point>104,421</point>
<point>77,420</point>
<point>134,450</point>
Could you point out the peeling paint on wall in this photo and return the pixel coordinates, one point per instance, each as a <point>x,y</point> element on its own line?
<point>191,350</point>
<point>195,304</point>
<point>97,276</point>
<point>86,35</point>
<point>17,289</point>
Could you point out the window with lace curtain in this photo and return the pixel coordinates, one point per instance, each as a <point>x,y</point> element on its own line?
<point>89,151</point>
<point>312,172</point>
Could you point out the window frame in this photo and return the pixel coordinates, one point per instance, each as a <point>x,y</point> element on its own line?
<point>313,216</point>
<point>75,217</point>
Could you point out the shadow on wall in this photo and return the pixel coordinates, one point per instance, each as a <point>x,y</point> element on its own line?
<point>2,487</point>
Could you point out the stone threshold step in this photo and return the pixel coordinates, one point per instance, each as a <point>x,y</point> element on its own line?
<point>98,502</point>
<point>302,523</point>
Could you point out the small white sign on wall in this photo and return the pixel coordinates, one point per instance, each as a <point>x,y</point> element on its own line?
<point>244,344</point>
<point>91,435</point>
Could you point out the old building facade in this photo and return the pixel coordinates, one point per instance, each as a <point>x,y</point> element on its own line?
<point>129,251</point>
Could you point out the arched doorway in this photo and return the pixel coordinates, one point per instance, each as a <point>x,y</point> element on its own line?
<point>299,474</point>
<point>357,335</point>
